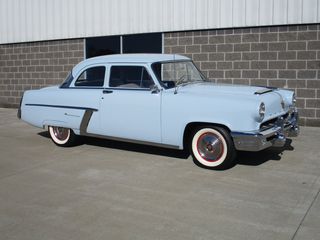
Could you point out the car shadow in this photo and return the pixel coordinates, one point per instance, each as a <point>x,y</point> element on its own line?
<point>133,147</point>
<point>44,134</point>
<point>243,158</point>
<point>258,158</point>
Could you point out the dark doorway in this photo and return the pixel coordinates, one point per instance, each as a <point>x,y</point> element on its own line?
<point>142,43</point>
<point>98,46</point>
<point>137,43</point>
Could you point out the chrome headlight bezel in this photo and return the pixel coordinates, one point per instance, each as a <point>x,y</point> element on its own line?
<point>262,111</point>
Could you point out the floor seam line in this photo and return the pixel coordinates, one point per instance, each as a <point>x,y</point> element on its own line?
<point>305,215</point>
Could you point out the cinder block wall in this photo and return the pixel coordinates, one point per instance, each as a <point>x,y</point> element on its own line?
<point>35,65</point>
<point>286,57</point>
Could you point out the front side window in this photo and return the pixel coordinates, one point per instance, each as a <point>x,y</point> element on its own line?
<point>91,77</point>
<point>172,74</point>
<point>130,77</point>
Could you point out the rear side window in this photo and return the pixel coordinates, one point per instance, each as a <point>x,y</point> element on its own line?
<point>91,77</point>
<point>130,77</point>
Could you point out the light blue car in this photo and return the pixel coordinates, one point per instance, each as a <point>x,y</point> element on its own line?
<point>162,100</point>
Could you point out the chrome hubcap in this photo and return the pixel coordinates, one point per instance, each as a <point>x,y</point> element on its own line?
<point>61,133</point>
<point>210,147</point>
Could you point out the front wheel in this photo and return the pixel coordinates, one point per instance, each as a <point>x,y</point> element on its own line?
<point>212,147</point>
<point>63,137</point>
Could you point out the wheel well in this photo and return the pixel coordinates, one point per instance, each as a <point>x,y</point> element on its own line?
<point>191,126</point>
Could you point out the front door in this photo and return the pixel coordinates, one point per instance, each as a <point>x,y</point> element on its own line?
<point>129,109</point>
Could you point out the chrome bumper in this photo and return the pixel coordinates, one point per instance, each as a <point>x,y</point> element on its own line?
<point>275,136</point>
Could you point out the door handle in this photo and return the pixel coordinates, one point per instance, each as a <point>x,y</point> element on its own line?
<point>107,91</point>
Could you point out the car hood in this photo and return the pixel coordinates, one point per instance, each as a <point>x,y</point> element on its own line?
<point>50,88</point>
<point>226,89</point>
<point>277,101</point>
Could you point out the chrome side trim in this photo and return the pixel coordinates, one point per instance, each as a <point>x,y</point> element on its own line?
<point>85,121</point>
<point>83,132</point>
<point>61,106</point>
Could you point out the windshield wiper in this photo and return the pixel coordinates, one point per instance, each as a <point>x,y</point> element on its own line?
<point>181,84</point>
<point>180,80</point>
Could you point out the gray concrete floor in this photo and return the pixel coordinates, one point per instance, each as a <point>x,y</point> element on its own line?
<point>112,190</point>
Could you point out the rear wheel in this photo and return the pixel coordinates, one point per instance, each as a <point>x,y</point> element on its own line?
<point>212,147</point>
<point>63,137</point>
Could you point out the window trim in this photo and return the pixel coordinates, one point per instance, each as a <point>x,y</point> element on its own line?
<point>72,85</point>
<point>129,65</point>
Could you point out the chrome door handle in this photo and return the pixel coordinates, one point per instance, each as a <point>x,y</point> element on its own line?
<point>107,91</point>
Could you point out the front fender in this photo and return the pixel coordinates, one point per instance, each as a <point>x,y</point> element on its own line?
<point>180,110</point>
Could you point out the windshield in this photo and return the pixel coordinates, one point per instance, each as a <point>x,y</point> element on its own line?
<point>172,74</point>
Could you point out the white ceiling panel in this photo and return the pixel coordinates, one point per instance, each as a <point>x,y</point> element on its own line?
<point>37,20</point>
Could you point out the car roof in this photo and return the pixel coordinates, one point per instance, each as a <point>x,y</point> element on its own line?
<point>128,58</point>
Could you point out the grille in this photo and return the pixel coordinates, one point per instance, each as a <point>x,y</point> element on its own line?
<point>273,122</point>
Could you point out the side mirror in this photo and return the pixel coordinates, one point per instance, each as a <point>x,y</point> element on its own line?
<point>155,89</point>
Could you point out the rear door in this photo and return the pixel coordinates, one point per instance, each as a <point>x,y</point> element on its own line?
<point>84,94</point>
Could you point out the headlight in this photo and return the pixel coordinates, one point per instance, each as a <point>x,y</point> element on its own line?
<point>262,111</point>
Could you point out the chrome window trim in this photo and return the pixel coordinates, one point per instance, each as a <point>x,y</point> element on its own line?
<point>146,67</point>
<point>72,84</point>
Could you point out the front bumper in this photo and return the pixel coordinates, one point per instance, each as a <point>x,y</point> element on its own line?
<point>275,136</point>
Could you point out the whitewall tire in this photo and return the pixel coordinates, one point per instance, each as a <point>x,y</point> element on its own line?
<point>212,147</point>
<point>62,136</point>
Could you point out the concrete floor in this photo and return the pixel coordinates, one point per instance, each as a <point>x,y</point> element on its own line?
<point>112,190</point>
